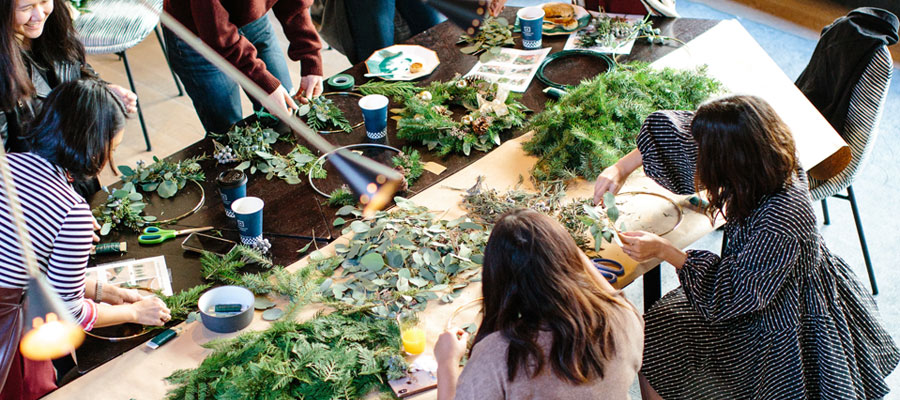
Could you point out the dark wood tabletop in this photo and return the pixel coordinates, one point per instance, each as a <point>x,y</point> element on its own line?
<point>295,214</point>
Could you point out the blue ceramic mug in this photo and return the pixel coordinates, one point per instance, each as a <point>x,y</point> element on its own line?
<point>232,185</point>
<point>249,213</point>
<point>531,20</point>
<point>374,109</point>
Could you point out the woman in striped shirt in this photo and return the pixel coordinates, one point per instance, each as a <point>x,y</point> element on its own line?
<point>776,315</point>
<point>73,137</point>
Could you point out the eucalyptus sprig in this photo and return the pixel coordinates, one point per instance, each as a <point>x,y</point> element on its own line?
<point>401,259</point>
<point>493,34</point>
<point>251,145</point>
<point>163,176</point>
<point>321,114</point>
<point>596,123</point>
<point>427,117</point>
<point>123,207</point>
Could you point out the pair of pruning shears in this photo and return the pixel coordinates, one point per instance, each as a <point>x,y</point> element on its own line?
<point>154,235</point>
<point>610,269</point>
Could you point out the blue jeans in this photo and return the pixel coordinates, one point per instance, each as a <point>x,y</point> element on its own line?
<point>372,23</point>
<point>216,97</point>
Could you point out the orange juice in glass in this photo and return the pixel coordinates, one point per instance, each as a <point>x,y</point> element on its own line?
<point>413,339</point>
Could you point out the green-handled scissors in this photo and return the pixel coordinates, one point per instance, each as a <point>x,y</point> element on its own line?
<point>154,235</point>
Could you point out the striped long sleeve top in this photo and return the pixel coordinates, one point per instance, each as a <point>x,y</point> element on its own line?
<point>60,225</point>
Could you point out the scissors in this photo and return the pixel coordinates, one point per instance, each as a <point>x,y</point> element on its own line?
<point>154,235</point>
<point>610,269</point>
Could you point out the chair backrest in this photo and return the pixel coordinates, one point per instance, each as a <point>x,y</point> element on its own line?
<point>861,126</point>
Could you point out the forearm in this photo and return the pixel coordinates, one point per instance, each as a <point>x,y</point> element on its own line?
<point>675,256</point>
<point>90,288</point>
<point>108,315</point>
<point>629,162</point>
<point>447,376</point>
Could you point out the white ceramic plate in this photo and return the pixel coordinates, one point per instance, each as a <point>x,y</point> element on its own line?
<point>395,62</point>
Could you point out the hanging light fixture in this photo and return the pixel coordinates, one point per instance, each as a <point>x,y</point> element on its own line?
<point>466,14</point>
<point>49,329</point>
<point>372,183</point>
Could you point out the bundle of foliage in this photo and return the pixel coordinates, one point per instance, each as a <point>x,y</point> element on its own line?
<point>399,90</point>
<point>493,34</point>
<point>341,197</point>
<point>331,356</point>
<point>123,207</point>
<point>490,110</point>
<point>409,163</point>
<point>251,145</point>
<point>322,115</point>
<point>275,279</point>
<point>607,31</point>
<point>401,259</point>
<point>164,176</point>
<point>184,302</point>
<point>597,122</point>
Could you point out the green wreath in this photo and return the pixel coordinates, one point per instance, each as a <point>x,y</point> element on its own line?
<point>427,117</point>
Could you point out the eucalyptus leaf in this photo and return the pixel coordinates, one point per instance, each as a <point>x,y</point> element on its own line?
<point>372,261</point>
<point>167,189</point>
<point>339,221</point>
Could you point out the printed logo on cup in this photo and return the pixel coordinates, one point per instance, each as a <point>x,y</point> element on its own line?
<point>241,224</point>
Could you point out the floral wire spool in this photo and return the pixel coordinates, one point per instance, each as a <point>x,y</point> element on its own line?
<point>348,101</point>
<point>165,206</point>
<point>321,161</point>
<point>631,225</point>
<point>556,69</point>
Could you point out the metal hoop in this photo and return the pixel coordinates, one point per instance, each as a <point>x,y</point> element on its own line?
<point>349,146</point>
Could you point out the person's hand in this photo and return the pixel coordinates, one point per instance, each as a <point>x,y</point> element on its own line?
<point>281,97</point>
<point>450,347</point>
<point>115,295</point>
<point>150,311</point>
<point>94,235</point>
<point>610,180</point>
<point>310,87</point>
<point>129,99</point>
<point>642,246</point>
<point>496,7</point>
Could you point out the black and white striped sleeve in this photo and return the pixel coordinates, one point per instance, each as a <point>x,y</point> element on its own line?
<point>668,150</point>
<point>740,283</point>
<point>67,262</point>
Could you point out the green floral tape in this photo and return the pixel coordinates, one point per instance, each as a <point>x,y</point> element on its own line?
<point>341,82</point>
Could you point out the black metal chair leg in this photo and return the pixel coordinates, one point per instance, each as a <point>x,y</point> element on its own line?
<point>652,287</point>
<point>827,220</point>
<point>140,113</point>
<point>862,239</point>
<point>162,45</point>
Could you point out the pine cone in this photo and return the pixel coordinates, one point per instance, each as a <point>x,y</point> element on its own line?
<point>481,125</point>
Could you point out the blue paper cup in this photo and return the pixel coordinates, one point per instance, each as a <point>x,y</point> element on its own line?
<point>531,20</point>
<point>249,213</point>
<point>232,185</point>
<point>374,109</point>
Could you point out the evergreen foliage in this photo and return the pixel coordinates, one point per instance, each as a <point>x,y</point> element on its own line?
<point>597,122</point>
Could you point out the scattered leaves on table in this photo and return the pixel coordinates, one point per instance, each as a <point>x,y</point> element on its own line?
<point>165,177</point>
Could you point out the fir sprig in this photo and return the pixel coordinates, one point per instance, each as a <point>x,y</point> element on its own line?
<point>341,197</point>
<point>396,90</point>
<point>321,114</point>
<point>164,176</point>
<point>182,303</point>
<point>409,163</point>
<point>331,356</point>
<point>597,122</point>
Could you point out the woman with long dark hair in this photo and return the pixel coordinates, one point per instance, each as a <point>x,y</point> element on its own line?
<point>39,49</point>
<point>552,328</point>
<point>777,315</point>
<point>73,137</point>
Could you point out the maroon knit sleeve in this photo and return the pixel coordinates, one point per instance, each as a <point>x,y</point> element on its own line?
<point>213,26</point>
<point>305,45</point>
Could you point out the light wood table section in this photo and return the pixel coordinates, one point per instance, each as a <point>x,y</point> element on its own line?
<point>733,57</point>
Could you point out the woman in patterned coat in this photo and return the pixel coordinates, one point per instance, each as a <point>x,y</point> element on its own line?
<point>777,316</point>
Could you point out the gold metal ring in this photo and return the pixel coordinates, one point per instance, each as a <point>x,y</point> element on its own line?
<point>477,301</point>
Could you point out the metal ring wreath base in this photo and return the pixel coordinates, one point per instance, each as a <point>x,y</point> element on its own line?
<point>611,64</point>
<point>352,94</point>
<point>670,201</point>
<point>188,213</point>
<point>321,159</point>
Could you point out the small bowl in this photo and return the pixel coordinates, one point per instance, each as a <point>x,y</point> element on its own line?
<point>226,295</point>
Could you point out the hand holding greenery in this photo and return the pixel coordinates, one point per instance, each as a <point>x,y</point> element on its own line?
<point>493,34</point>
<point>321,114</point>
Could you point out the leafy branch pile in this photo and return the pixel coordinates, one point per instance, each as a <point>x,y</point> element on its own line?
<point>275,279</point>
<point>611,32</point>
<point>585,223</point>
<point>164,176</point>
<point>331,356</point>
<point>402,259</point>
<point>184,302</point>
<point>322,115</point>
<point>494,34</point>
<point>597,122</point>
<point>427,117</point>
<point>123,207</point>
<point>251,145</point>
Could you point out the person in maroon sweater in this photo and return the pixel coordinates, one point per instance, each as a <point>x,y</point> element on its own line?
<point>240,31</point>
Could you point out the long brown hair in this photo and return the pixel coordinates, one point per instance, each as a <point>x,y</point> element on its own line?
<point>745,153</point>
<point>534,278</point>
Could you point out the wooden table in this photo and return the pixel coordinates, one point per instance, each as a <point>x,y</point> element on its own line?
<point>732,56</point>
